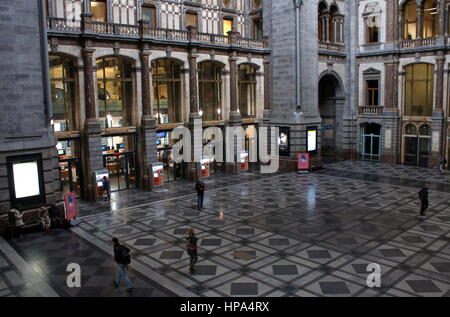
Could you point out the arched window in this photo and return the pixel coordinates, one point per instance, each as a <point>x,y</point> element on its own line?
<point>430,19</point>
<point>210,90</point>
<point>62,80</point>
<point>417,145</point>
<point>247,90</point>
<point>425,130</point>
<point>167,91</point>
<point>411,129</point>
<point>334,26</point>
<point>419,90</point>
<point>115,92</point>
<point>323,21</point>
<point>411,21</point>
<point>420,21</point>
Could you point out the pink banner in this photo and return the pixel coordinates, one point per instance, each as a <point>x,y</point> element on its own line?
<point>70,204</point>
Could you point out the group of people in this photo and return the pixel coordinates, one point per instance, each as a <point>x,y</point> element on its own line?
<point>45,217</point>
<point>123,258</point>
<point>122,253</point>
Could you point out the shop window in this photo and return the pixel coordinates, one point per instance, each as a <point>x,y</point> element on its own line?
<point>167,91</point>
<point>115,92</point>
<point>149,15</point>
<point>372,92</point>
<point>26,181</point>
<point>210,90</point>
<point>191,19</point>
<point>98,10</point>
<point>62,81</point>
<point>227,25</point>
<point>247,90</point>
<point>419,90</point>
<point>410,129</point>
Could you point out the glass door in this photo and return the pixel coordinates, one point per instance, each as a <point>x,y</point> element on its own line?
<point>370,142</point>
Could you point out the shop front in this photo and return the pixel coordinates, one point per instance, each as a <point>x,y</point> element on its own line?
<point>172,171</point>
<point>69,163</point>
<point>119,159</point>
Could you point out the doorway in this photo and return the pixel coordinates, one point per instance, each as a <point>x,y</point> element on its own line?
<point>119,158</point>
<point>331,109</point>
<point>417,146</point>
<point>69,165</point>
<point>370,144</point>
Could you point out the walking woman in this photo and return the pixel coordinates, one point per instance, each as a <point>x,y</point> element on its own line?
<point>191,247</point>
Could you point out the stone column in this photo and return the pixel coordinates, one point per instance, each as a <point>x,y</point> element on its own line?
<point>266,115</point>
<point>192,169</point>
<point>92,139</point>
<point>442,15</point>
<point>392,22</point>
<point>391,120</point>
<point>437,128</point>
<point>235,119</point>
<point>420,14</point>
<point>147,144</point>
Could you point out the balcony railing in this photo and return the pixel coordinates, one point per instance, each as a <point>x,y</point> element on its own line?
<point>105,28</point>
<point>430,41</point>
<point>370,110</point>
<point>115,29</point>
<point>62,24</point>
<point>331,47</point>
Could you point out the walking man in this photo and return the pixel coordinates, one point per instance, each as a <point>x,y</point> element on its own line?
<point>106,188</point>
<point>191,247</point>
<point>200,188</point>
<point>423,195</point>
<point>122,258</point>
<point>442,164</point>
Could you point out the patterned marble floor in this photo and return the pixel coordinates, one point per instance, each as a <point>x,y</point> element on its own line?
<point>285,235</point>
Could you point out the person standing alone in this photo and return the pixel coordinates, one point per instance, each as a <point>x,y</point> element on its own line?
<point>423,195</point>
<point>106,188</point>
<point>191,247</point>
<point>200,188</point>
<point>122,258</point>
<point>442,164</point>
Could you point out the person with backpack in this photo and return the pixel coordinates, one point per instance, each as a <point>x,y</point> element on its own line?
<point>200,188</point>
<point>191,247</point>
<point>15,222</point>
<point>123,259</point>
<point>423,196</point>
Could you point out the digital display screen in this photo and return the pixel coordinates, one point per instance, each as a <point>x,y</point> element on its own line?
<point>121,146</point>
<point>312,140</point>
<point>161,135</point>
<point>26,179</point>
<point>155,175</point>
<point>104,148</point>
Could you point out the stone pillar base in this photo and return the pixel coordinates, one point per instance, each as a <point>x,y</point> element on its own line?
<point>232,168</point>
<point>92,159</point>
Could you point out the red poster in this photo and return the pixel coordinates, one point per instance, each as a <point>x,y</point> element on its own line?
<point>303,161</point>
<point>70,205</point>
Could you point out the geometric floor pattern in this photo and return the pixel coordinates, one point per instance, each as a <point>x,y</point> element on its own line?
<point>286,235</point>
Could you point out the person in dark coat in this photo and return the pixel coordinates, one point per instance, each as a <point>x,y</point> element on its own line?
<point>191,247</point>
<point>122,258</point>
<point>442,164</point>
<point>423,196</point>
<point>200,188</point>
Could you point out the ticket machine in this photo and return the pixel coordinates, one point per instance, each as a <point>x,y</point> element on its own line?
<point>157,174</point>
<point>99,180</point>
<point>244,161</point>
<point>205,167</point>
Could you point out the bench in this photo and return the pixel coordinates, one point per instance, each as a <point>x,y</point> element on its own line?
<point>29,220</point>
